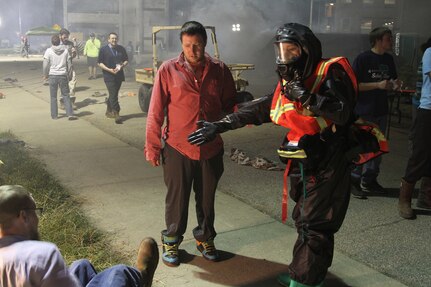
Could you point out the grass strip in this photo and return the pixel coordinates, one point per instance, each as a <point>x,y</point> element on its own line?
<point>63,221</point>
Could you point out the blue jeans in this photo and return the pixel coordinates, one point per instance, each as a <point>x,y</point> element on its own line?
<point>369,171</point>
<point>63,83</point>
<point>116,276</point>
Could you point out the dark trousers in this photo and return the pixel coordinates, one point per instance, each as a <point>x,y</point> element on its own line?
<point>181,174</point>
<point>419,163</point>
<point>113,89</point>
<point>318,214</point>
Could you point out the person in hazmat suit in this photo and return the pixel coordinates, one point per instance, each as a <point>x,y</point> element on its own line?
<point>315,100</point>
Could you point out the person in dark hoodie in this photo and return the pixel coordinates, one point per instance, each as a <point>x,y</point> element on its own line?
<point>315,100</point>
<point>56,65</point>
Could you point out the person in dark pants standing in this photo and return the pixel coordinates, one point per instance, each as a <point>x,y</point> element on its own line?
<point>25,47</point>
<point>377,75</point>
<point>419,164</point>
<point>189,88</point>
<point>112,60</point>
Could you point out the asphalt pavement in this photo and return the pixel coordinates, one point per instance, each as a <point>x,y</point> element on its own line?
<point>103,165</point>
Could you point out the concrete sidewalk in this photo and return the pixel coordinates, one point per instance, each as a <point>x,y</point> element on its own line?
<point>122,194</point>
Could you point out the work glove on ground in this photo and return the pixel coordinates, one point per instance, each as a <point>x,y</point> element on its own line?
<point>209,131</point>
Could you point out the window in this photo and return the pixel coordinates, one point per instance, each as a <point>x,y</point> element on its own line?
<point>368,1</point>
<point>390,2</point>
<point>329,9</point>
<point>366,25</point>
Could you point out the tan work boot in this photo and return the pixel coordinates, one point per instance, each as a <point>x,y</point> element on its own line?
<point>424,197</point>
<point>405,200</point>
<point>147,260</point>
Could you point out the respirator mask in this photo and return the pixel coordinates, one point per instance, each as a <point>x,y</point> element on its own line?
<point>289,57</point>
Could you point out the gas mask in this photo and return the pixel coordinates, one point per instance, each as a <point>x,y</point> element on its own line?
<point>287,52</point>
<point>289,57</point>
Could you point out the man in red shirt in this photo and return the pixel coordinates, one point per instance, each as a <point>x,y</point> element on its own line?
<point>189,88</point>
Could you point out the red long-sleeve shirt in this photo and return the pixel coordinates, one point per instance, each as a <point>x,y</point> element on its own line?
<point>177,91</point>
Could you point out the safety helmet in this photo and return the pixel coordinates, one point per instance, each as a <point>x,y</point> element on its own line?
<point>310,49</point>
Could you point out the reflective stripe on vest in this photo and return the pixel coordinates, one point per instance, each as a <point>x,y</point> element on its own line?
<point>322,68</point>
<point>322,123</point>
<point>381,139</point>
<point>280,108</point>
<point>317,79</point>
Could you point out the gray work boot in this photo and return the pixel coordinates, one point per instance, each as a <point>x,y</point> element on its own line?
<point>405,200</point>
<point>424,197</point>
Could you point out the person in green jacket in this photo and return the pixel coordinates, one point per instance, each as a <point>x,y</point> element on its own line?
<point>91,50</point>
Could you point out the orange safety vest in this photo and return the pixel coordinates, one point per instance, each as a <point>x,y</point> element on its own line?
<point>291,114</point>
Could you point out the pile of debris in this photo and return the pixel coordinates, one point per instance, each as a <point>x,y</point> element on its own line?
<point>241,158</point>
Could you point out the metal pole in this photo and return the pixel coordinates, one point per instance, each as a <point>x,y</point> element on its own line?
<point>311,14</point>
<point>19,17</point>
<point>139,26</point>
<point>121,9</point>
<point>65,13</point>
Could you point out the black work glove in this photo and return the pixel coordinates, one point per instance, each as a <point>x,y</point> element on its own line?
<point>205,134</point>
<point>209,130</point>
<point>295,90</point>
